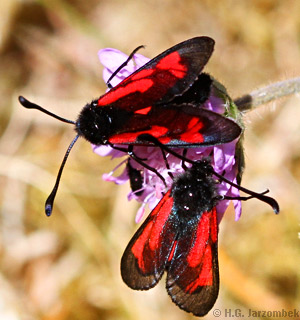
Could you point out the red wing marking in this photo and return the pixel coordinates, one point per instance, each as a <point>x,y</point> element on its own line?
<point>172,251</point>
<point>172,63</point>
<point>193,122</point>
<point>131,137</point>
<point>205,277</point>
<point>141,86</point>
<point>143,111</point>
<point>142,74</point>
<point>138,247</point>
<point>196,253</point>
<point>201,251</point>
<point>162,217</point>
<point>193,135</point>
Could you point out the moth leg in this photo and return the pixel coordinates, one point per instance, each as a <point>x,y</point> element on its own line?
<point>141,162</point>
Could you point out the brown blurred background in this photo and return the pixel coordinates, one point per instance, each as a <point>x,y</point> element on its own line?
<point>67,266</point>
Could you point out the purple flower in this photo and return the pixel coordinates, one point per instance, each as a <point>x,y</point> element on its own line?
<point>223,156</point>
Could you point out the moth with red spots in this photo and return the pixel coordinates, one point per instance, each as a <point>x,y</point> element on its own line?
<point>180,237</point>
<point>156,100</point>
<point>164,99</point>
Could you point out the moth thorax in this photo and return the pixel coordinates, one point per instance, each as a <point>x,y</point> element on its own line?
<point>94,124</point>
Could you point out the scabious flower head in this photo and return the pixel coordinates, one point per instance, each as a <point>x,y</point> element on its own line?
<point>222,156</point>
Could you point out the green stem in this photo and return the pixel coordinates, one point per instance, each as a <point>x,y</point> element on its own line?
<point>264,95</point>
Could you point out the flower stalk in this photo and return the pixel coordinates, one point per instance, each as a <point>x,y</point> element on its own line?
<point>267,94</point>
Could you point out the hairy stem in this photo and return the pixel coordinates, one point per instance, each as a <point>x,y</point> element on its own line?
<point>272,92</point>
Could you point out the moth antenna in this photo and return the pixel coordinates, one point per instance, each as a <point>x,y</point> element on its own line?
<point>122,66</point>
<point>242,198</point>
<point>30,105</point>
<point>272,202</point>
<point>261,196</point>
<point>50,199</point>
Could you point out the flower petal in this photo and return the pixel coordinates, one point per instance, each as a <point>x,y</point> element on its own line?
<point>112,58</point>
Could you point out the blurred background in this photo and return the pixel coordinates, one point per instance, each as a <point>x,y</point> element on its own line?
<point>67,266</point>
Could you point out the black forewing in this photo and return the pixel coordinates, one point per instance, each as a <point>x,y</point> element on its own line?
<point>181,125</point>
<point>144,260</point>
<point>193,273</point>
<point>163,78</point>
<point>216,129</point>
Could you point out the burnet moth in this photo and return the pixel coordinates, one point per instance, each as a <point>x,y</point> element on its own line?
<point>163,98</point>
<point>180,237</point>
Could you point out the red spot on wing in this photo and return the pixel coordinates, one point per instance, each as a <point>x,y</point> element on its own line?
<point>143,111</point>
<point>192,123</point>
<point>172,63</point>
<point>192,134</point>
<point>142,74</point>
<point>162,216</point>
<point>172,251</point>
<point>131,137</point>
<point>138,247</point>
<point>132,87</point>
<point>196,253</point>
<point>205,277</point>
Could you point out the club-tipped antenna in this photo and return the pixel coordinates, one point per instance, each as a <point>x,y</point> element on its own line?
<point>261,196</point>
<point>50,199</point>
<point>242,198</point>
<point>30,105</point>
<point>122,66</point>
